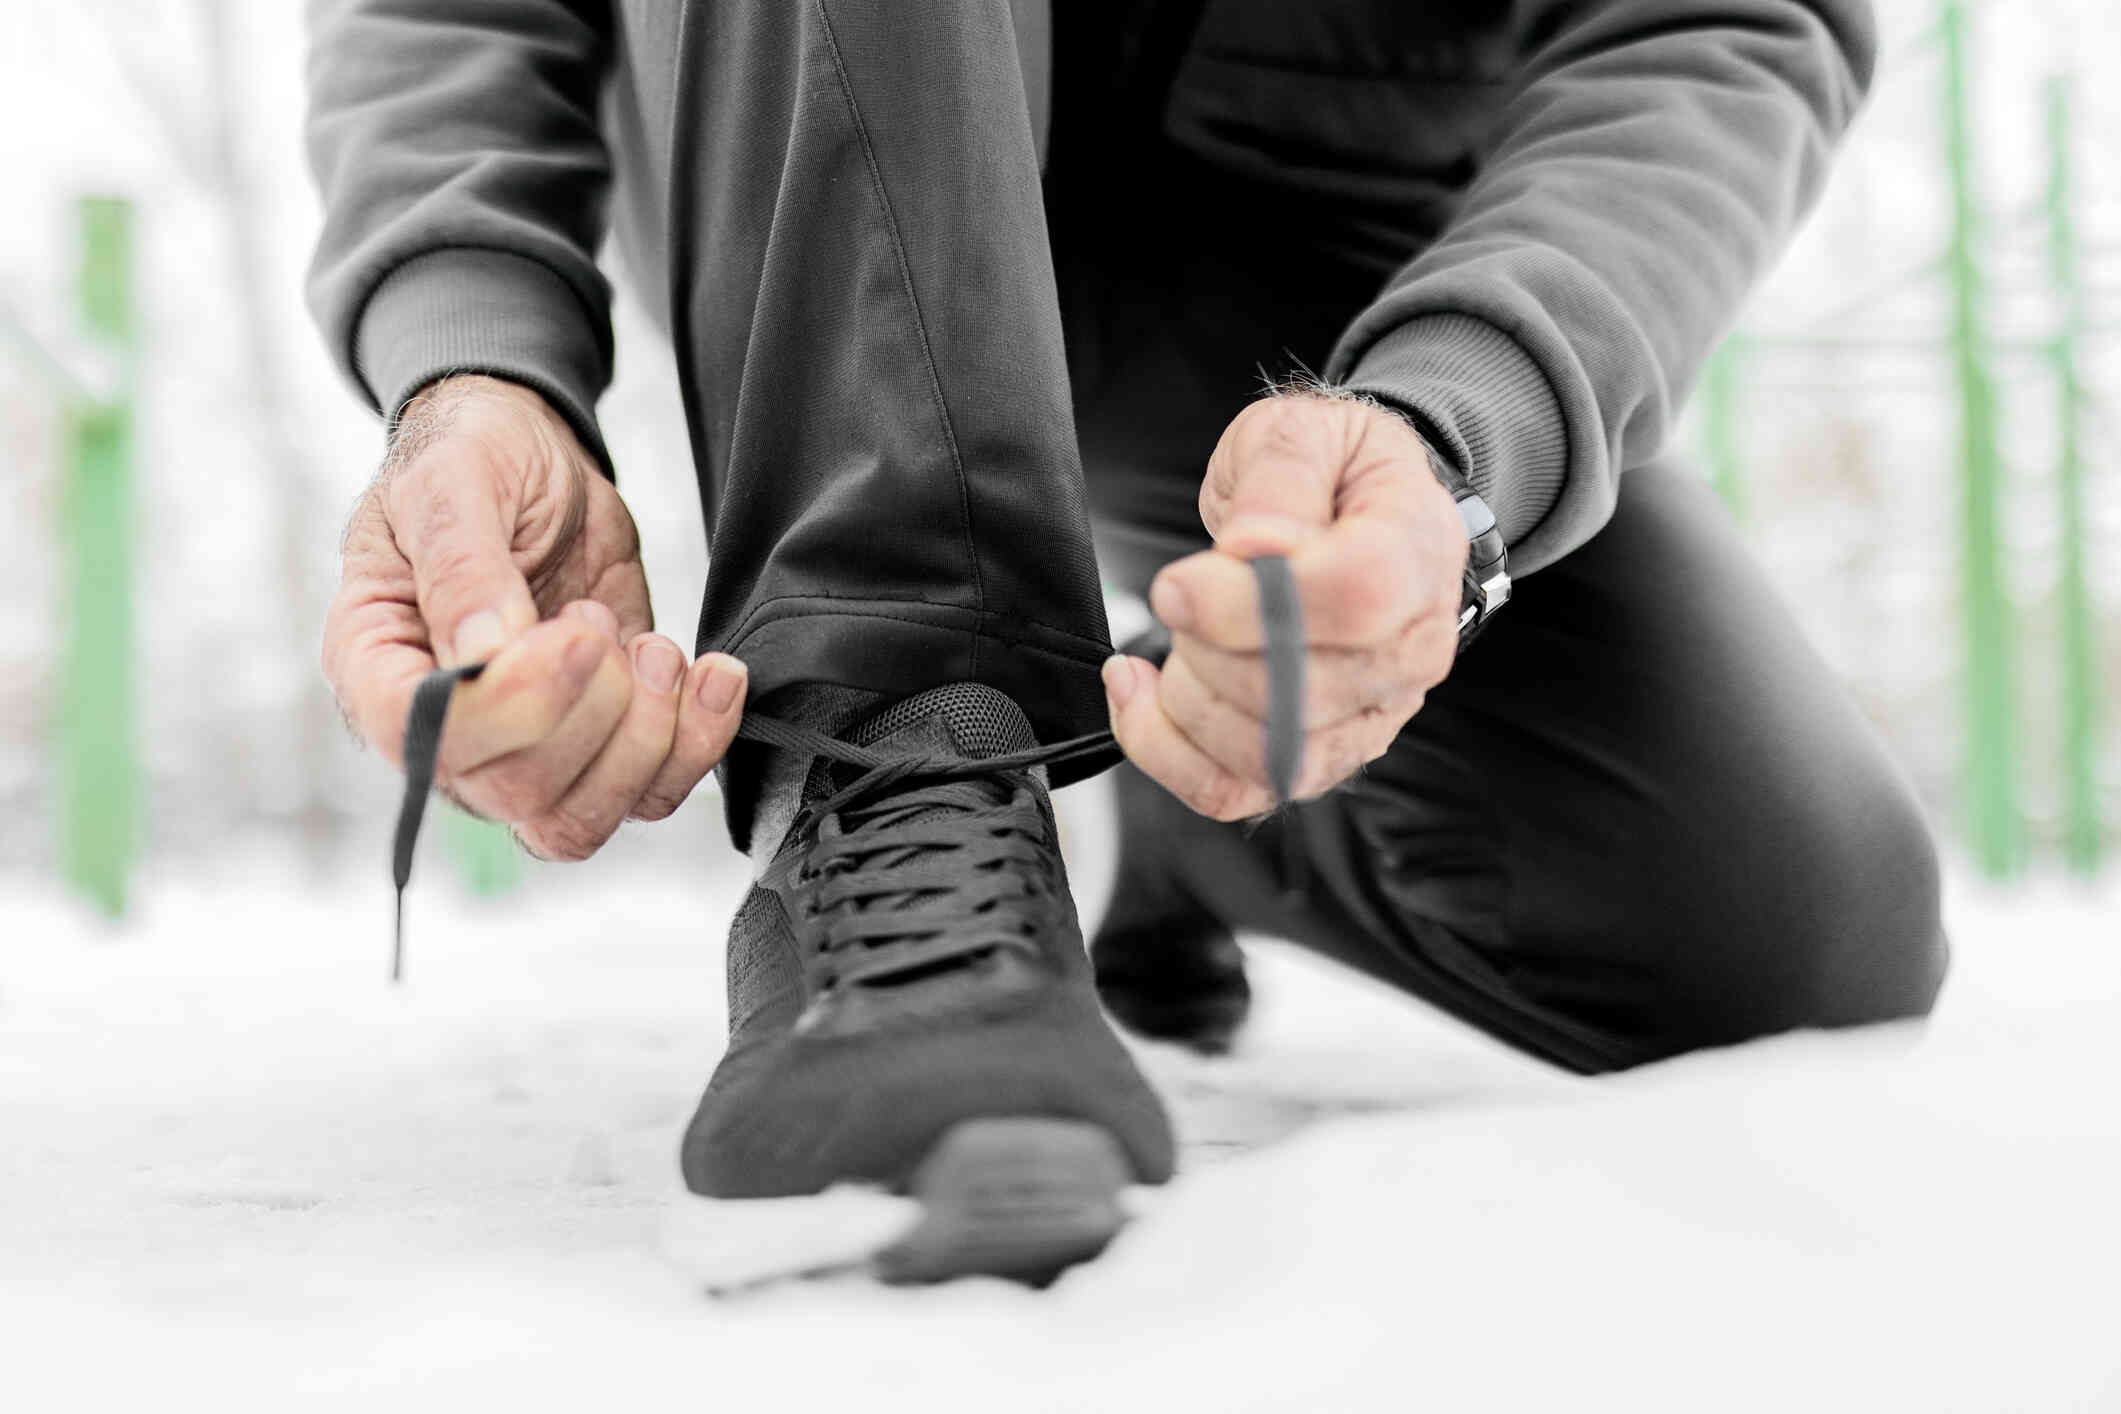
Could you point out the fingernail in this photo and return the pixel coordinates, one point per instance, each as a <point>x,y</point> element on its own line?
<point>724,680</point>
<point>1120,676</point>
<point>1168,602</point>
<point>479,637</point>
<point>590,612</point>
<point>658,664</point>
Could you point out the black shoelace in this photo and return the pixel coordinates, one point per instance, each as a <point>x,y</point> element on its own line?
<point>908,869</point>
<point>878,888</point>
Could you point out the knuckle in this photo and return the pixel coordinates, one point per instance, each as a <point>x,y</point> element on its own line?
<point>1440,651</point>
<point>513,797</point>
<point>448,791</point>
<point>1423,657</point>
<point>1285,417</point>
<point>452,563</point>
<point>656,805</point>
<point>1334,762</point>
<point>1287,427</point>
<point>1364,601</point>
<point>1381,733</point>
<point>531,843</point>
<point>1185,704</point>
<point>1221,796</point>
<point>416,495</point>
<point>1219,483</point>
<point>568,836</point>
<point>1244,688</point>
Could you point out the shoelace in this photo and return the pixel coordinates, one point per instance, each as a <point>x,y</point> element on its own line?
<point>878,861</point>
<point>907,867</point>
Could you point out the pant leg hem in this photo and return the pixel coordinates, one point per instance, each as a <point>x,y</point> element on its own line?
<point>900,647</point>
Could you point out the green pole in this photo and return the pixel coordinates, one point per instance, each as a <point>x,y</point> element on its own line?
<point>98,771</point>
<point>1722,395</point>
<point>1991,767</point>
<point>485,854</point>
<point>2080,705</point>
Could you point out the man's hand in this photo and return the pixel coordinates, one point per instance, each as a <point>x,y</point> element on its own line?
<point>1345,491</point>
<point>491,535</point>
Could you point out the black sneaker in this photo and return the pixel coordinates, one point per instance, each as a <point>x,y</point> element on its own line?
<point>911,1008</point>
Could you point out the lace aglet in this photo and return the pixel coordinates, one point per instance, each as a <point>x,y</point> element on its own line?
<point>423,742</point>
<point>1281,621</point>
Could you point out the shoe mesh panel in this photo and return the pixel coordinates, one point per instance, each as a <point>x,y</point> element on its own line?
<point>978,721</point>
<point>983,722</point>
<point>761,971</point>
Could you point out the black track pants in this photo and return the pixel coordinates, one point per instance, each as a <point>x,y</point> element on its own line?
<point>1640,816</point>
<point>870,346</point>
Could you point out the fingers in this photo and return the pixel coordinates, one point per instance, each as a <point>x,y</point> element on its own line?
<point>521,734</point>
<point>453,526</point>
<point>1339,683</point>
<point>612,756</point>
<point>1236,740</point>
<point>710,704</point>
<point>1212,756</point>
<point>1275,470</point>
<point>375,653</point>
<point>1362,581</point>
<point>529,690</point>
<point>1345,491</point>
<point>1155,743</point>
<point>604,794</point>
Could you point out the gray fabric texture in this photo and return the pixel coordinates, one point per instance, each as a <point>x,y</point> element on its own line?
<point>1563,202</point>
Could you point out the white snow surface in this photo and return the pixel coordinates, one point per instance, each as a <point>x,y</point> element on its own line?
<point>238,1171</point>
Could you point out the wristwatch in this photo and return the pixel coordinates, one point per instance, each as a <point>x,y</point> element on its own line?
<point>1487,580</point>
<point>1487,583</point>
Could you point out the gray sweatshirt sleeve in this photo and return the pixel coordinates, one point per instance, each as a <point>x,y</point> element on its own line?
<point>464,183</point>
<point>1653,160</point>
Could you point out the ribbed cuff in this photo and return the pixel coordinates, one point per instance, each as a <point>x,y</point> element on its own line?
<point>1480,400</point>
<point>485,311</point>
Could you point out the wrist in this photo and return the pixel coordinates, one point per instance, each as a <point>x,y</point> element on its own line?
<point>478,405</point>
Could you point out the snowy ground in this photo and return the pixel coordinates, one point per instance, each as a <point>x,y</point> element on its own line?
<point>236,1170</point>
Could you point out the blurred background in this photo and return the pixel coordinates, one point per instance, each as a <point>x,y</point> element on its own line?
<point>1918,422</point>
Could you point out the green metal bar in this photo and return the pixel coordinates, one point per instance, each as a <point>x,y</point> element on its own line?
<point>2081,830</point>
<point>1993,819</point>
<point>485,854</point>
<point>99,791</point>
<point>1722,413</point>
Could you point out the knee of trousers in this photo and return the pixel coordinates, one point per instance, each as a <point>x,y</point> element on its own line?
<point>1824,909</point>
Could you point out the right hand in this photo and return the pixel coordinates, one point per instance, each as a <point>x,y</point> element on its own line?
<point>491,535</point>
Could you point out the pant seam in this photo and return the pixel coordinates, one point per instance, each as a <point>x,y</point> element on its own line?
<point>920,324</point>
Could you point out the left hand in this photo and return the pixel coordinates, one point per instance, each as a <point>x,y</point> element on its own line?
<point>1378,549</point>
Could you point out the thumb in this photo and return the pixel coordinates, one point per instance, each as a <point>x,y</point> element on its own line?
<point>1272,479</point>
<point>458,534</point>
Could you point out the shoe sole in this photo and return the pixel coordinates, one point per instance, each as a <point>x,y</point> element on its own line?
<point>1018,1198</point>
